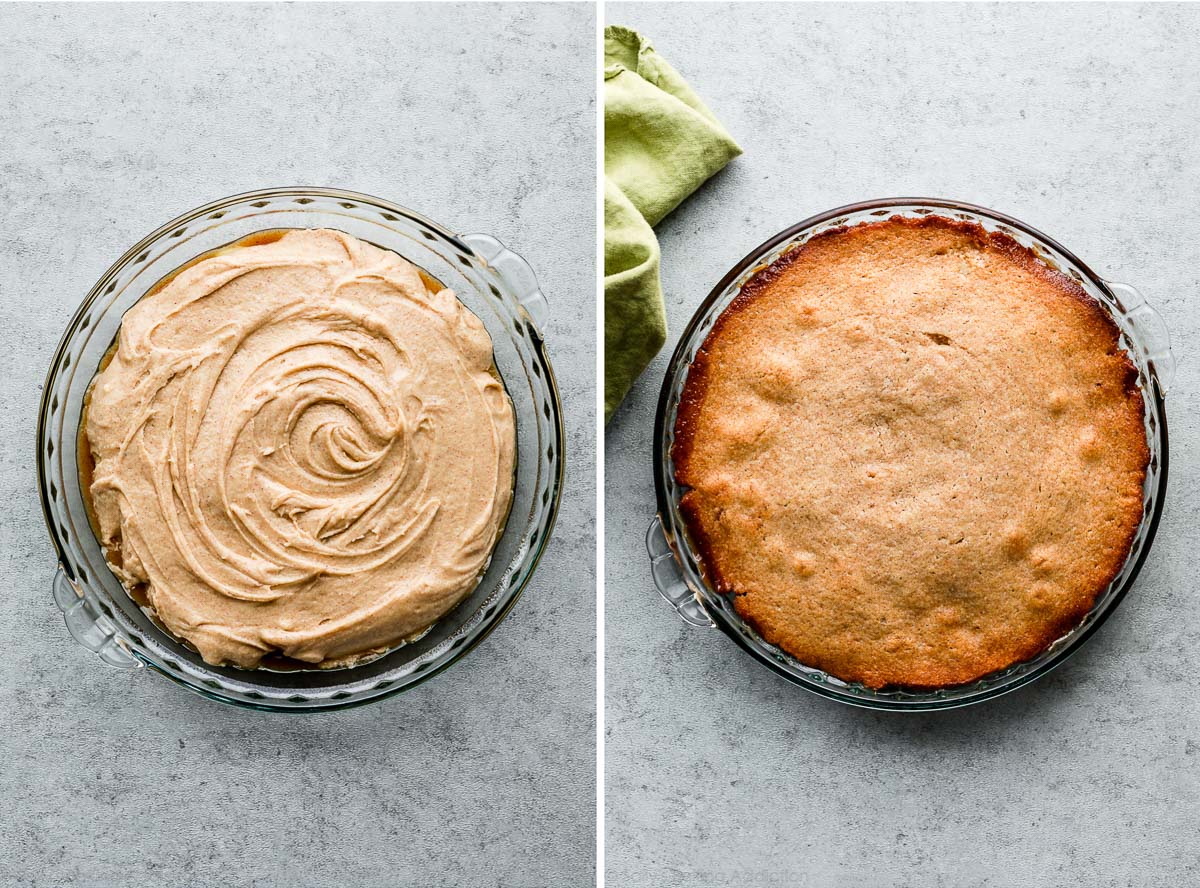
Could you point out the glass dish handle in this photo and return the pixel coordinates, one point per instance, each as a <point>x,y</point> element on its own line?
<point>669,581</point>
<point>89,626</point>
<point>1151,330</point>
<point>516,274</point>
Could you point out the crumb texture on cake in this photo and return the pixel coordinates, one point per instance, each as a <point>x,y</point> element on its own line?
<point>914,454</point>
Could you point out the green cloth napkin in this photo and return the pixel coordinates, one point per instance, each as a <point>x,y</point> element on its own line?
<point>660,144</point>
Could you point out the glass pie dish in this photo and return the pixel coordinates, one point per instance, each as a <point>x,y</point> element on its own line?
<point>492,281</point>
<point>676,565</point>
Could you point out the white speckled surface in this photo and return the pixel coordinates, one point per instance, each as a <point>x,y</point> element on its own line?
<point>115,118</point>
<point>1081,120</point>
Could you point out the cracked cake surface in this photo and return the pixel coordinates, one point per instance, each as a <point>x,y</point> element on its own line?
<point>914,454</point>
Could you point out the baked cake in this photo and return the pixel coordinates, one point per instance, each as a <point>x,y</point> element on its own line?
<point>914,453</point>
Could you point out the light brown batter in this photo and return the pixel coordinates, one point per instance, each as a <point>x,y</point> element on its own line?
<point>300,448</point>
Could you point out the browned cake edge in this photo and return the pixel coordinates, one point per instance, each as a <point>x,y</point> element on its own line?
<point>695,391</point>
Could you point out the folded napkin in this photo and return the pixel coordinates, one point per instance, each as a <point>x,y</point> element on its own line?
<point>660,144</point>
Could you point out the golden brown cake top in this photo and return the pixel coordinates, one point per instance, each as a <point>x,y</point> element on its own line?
<point>915,454</point>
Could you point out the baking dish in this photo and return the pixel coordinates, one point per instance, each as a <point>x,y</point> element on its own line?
<point>675,564</point>
<point>495,283</point>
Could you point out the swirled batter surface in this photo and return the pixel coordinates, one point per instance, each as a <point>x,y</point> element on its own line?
<point>300,449</point>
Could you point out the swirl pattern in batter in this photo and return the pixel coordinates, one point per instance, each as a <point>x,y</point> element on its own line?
<point>300,449</point>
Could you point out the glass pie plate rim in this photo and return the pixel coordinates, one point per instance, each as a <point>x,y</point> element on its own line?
<point>675,565</point>
<point>90,613</point>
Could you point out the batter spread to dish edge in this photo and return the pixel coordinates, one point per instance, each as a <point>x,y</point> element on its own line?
<point>300,448</point>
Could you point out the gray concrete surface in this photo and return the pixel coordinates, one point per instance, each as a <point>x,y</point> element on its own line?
<point>1081,120</point>
<point>115,119</point>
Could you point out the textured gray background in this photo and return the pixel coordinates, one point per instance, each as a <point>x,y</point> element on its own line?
<point>1081,120</point>
<point>113,120</point>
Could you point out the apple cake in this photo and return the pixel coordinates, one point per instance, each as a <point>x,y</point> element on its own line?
<point>914,454</point>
